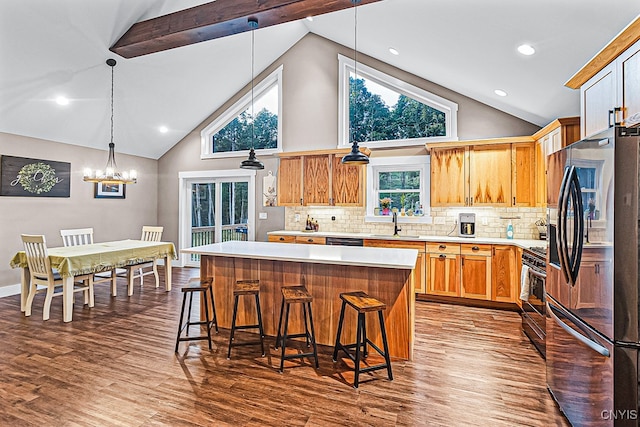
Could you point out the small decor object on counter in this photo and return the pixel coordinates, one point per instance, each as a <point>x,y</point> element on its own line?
<point>307,226</point>
<point>385,204</point>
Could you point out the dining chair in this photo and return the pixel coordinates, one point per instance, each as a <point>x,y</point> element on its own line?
<point>149,234</point>
<point>45,278</point>
<point>84,236</point>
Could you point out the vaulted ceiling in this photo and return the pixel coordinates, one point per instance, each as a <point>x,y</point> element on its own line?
<point>52,48</point>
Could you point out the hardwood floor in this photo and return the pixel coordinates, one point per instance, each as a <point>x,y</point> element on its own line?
<point>114,365</point>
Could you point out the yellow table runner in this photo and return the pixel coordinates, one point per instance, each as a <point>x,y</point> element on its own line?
<point>97,257</point>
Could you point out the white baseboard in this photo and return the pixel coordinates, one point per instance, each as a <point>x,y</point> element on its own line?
<point>7,291</point>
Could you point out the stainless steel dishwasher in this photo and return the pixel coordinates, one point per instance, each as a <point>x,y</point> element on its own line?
<point>344,241</point>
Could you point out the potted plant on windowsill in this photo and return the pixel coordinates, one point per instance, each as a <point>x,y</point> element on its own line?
<point>403,198</point>
<point>385,205</point>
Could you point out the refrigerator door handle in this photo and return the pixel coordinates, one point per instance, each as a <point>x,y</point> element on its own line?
<point>561,233</point>
<point>593,345</point>
<point>578,226</point>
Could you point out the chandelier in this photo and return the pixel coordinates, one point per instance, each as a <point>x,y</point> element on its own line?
<point>111,174</point>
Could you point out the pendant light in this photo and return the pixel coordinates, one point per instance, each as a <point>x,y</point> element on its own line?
<point>252,162</point>
<point>355,157</point>
<point>110,175</point>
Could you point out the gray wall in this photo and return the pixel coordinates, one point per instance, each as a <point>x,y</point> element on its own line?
<point>111,219</point>
<point>310,121</point>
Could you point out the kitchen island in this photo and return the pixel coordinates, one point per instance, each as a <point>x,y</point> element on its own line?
<point>326,271</point>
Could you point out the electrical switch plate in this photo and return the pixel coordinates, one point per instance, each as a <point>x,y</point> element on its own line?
<point>297,217</point>
<point>485,221</point>
<point>262,215</point>
<point>439,220</point>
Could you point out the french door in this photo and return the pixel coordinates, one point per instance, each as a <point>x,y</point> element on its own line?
<point>216,206</point>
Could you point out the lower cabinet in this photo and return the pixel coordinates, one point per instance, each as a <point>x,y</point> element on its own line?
<point>505,273</point>
<point>282,239</point>
<point>475,267</point>
<point>443,269</point>
<point>420,278</point>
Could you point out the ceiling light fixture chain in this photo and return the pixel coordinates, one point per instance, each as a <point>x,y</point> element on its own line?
<point>355,157</point>
<point>252,162</point>
<point>110,175</point>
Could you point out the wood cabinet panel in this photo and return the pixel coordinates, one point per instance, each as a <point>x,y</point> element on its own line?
<point>505,271</point>
<point>281,239</point>
<point>475,249</point>
<point>523,177</point>
<point>630,85</point>
<point>598,97</point>
<point>475,276</point>
<point>443,248</point>
<point>316,179</point>
<point>347,183</point>
<point>290,181</point>
<point>448,176</point>
<point>420,276</point>
<point>490,175</point>
<point>444,275</point>
<point>311,240</point>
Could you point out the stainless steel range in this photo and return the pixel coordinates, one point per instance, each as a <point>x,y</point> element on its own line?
<point>533,298</point>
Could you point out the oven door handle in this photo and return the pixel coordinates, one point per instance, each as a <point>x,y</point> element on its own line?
<point>535,273</point>
<point>593,345</point>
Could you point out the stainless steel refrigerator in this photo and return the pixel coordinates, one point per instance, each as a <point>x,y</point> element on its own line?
<point>592,287</point>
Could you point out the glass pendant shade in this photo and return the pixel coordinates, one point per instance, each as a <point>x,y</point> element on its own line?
<point>111,174</point>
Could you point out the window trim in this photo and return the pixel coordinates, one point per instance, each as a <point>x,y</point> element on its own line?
<point>450,108</point>
<point>206,145</point>
<point>385,164</point>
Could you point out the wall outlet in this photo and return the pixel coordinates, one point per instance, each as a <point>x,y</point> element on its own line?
<point>297,218</point>
<point>485,221</point>
<point>262,215</point>
<point>439,220</point>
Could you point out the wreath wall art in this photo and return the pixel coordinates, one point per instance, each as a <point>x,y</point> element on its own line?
<point>24,177</point>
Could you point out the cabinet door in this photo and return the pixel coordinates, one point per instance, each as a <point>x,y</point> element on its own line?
<point>316,180</point>
<point>629,79</point>
<point>598,96</point>
<point>290,181</point>
<point>541,172</point>
<point>310,240</point>
<point>505,271</point>
<point>346,183</point>
<point>490,175</point>
<point>448,177</point>
<point>281,239</point>
<point>444,277</point>
<point>475,266</point>
<point>420,286</point>
<point>523,178</point>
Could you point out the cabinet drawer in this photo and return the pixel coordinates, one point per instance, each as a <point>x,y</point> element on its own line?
<point>471,249</point>
<point>310,240</point>
<point>443,248</point>
<point>282,239</point>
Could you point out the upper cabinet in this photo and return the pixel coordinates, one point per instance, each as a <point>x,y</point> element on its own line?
<point>318,178</point>
<point>497,172</point>
<point>610,84</point>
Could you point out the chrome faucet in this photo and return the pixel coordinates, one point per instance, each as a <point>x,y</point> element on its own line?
<point>395,224</point>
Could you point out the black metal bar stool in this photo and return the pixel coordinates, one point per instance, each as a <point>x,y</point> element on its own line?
<point>246,287</point>
<point>294,295</point>
<point>197,285</point>
<point>363,304</point>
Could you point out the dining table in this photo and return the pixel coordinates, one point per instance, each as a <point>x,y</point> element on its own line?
<point>71,261</point>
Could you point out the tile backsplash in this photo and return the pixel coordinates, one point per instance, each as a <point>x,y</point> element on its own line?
<point>490,222</point>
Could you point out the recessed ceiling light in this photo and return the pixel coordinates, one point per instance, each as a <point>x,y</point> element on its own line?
<point>62,100</point>
<point>163,129</point>
<point>393,51</point>
<point>526,49</point>
<point>500,92</point>
<point>310,18</point>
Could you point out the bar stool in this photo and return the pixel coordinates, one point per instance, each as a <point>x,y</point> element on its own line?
<point>363,304</point>
<point>246,287</point>
<point>197,285</point>
<point>294,295</point>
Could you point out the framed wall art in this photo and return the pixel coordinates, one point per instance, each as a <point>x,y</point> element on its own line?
<point>105,190</point>
<point>25,177</point>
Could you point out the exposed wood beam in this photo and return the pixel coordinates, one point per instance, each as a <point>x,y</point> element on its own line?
<point>217,19</point>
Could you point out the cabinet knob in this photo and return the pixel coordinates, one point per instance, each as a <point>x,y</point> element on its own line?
<point>442,247</point>
<point>475,248</point>
<point>282,238</point>
<point>310,240</point>
<point>442,256</point>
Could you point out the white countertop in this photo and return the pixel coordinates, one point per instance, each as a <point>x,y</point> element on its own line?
<point>523,243</point>
<point>319,254</point>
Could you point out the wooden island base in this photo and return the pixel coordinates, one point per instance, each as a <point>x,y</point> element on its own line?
<point>325,282</point>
